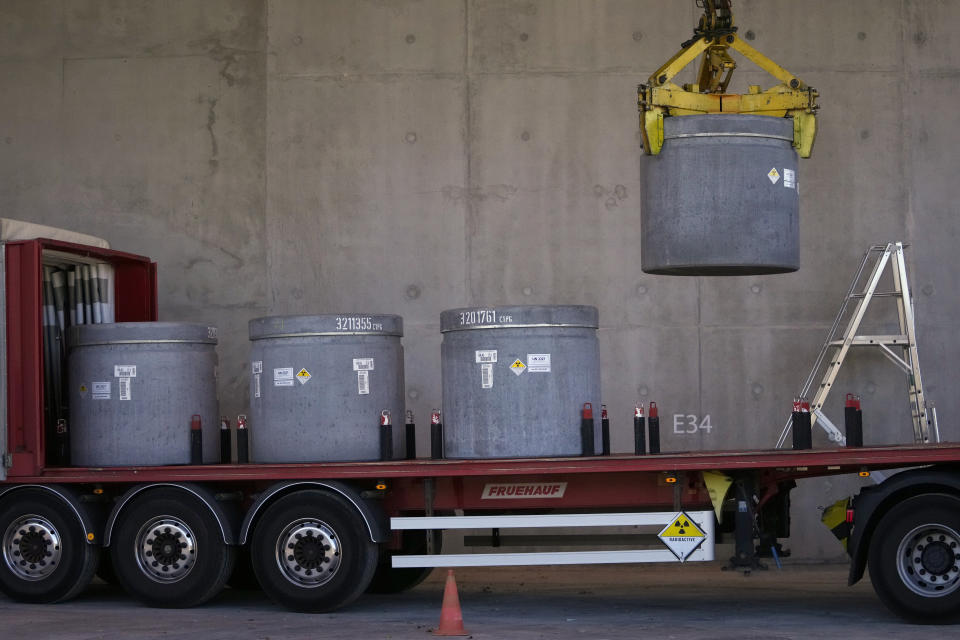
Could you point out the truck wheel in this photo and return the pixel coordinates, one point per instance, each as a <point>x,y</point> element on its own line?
<point>167,550</point>
<point>312,552</point>
<point>45,555</point>
<point>386,579</point>
<point>915,559</point>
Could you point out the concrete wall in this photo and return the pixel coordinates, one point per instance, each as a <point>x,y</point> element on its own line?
<point>405,157</point>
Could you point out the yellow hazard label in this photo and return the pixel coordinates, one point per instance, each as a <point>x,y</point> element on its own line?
<point>303,375</point>
<point>518,366</point>
<point>682,527</point>
<point>682,536</point>
<point>774,175</point>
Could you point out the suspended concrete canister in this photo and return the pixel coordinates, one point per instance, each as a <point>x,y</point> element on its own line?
<point>515,380</point>
<point>319,384</point>
<point>721,197</point>
<point>134,388</point>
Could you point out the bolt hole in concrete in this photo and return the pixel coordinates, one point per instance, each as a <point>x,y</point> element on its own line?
<point>528,291</point>
<point>410,138</point>
<point>524,37</point>
<point>643,390</point>
<point>413,394</point>
<point>413,292</point>
<point>298,40</point>
<point>864,134</point>
<point>641,289</point>
<point>525,136</point>
<point>861,36</point>
<point>750,35</point>
<point>410,38</point>
<point>756,288</point>
<point>637,36</point>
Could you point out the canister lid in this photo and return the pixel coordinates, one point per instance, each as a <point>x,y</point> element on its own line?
<point>710,125</point>
<point>329,324</point>
<point>519,317</point>
<point>140,333</point>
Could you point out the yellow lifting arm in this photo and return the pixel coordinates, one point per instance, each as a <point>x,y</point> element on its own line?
<point>711,41</point>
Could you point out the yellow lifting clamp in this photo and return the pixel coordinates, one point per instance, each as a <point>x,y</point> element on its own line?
<point>713,37</point>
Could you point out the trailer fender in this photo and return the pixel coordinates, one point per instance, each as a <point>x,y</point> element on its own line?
<point>373,516</point>
<point>872,503</point>
<point>227,519</point>
<point>90,515</point>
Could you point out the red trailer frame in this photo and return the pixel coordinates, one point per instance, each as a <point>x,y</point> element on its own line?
<point>241,497</point>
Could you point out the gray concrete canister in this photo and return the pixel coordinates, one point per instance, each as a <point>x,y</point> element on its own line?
<point>133,389</point>
<point>515,380</point>
<point>319,383</point>
<point>721,198</point>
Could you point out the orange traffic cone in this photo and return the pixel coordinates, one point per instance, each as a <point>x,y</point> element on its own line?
<point>451,618</point>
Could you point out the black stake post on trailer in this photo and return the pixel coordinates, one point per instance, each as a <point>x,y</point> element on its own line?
<point>243,444</point>
<point>604,430</point>
<point>802,435</point>
<point>226,452</point>
<point>410,437</point>
<point>654,428</point>
<point>853,421</point>
<point>196,440</point>
<point>586,430</point>
<point>436,436</point>
<point>639,431</point>
<point>386,436</point>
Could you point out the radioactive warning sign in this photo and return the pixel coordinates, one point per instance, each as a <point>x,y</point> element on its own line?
<point>682,536</point>
<point>774,175</point>
<point>518,367</point>
<point>303,376</point>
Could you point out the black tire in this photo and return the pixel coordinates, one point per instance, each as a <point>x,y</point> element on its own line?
<point>914,559</point>
<point>312,552</point>
<point>35,524</point>
<point>147,560</point>
<point>386,579</point>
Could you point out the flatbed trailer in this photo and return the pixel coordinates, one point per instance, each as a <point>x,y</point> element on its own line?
<point>316,536</point>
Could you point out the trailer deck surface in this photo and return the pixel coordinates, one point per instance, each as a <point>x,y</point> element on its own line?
<point>794,463</point>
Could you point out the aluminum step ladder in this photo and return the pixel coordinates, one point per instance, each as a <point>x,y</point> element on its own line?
<point>837,346</point>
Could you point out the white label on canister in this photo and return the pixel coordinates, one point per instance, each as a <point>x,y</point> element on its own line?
<point>789,179</point>
<point>486,375</point>
<point>256,385</point>
<point>124,371</point>
<point>212,333</point>
<point>257,367</point>
<point>774,175</point>
<point>363,364</point>
<point>538,362</point>
<point>283,377</point>
<point>486,356</point>
<point>124,386</point>
<point>101,390</point>
<point>363,383</point>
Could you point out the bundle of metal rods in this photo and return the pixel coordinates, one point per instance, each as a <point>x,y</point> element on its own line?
<point>72,295</point>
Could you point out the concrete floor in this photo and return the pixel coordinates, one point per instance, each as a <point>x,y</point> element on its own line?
<point>686,603</point>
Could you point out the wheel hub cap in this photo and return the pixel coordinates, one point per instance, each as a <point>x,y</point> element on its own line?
<point>928,560</point>
<point>308,552</point>
<point>32,547</point>
<point>166,549</point>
